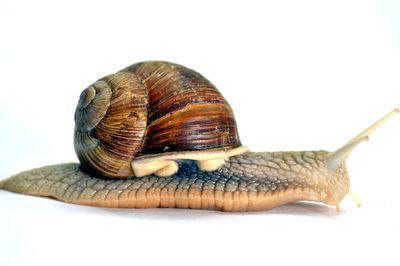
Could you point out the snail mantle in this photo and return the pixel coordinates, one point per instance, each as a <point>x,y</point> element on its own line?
<point>165,165</point>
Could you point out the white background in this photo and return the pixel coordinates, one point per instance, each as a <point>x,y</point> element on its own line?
<point>300,75</point>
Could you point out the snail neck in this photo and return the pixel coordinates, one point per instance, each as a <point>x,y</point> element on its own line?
<point>293,175</point>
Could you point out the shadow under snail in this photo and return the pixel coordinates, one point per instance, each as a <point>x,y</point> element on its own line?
<point>157,134</point>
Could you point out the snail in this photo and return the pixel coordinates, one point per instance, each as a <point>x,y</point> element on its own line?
<point>158,134</point>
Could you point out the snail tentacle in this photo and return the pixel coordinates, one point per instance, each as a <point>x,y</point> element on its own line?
<point>340,155</point>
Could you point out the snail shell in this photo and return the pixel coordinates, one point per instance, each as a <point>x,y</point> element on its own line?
<point>143,118</point>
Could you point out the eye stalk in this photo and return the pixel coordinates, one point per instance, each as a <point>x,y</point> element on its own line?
<point>336,160</point>
<point>340,155</point>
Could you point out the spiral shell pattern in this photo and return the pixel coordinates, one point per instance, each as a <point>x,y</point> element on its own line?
<point>150,108</point>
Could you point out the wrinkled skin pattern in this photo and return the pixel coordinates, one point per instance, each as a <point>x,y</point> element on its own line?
<point>248,182</point>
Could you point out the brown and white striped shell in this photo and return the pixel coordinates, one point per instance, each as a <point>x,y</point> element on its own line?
<point>143,118</point>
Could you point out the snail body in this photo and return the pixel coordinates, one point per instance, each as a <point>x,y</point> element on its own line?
<point>157,134</point>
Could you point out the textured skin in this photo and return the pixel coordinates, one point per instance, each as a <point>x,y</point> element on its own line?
<point>249,182</point>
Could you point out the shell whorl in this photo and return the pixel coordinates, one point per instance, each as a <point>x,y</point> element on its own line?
<point>186,111</point>
<point>148,109</point>
<point>92,106</point>
<point>110,128</point>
